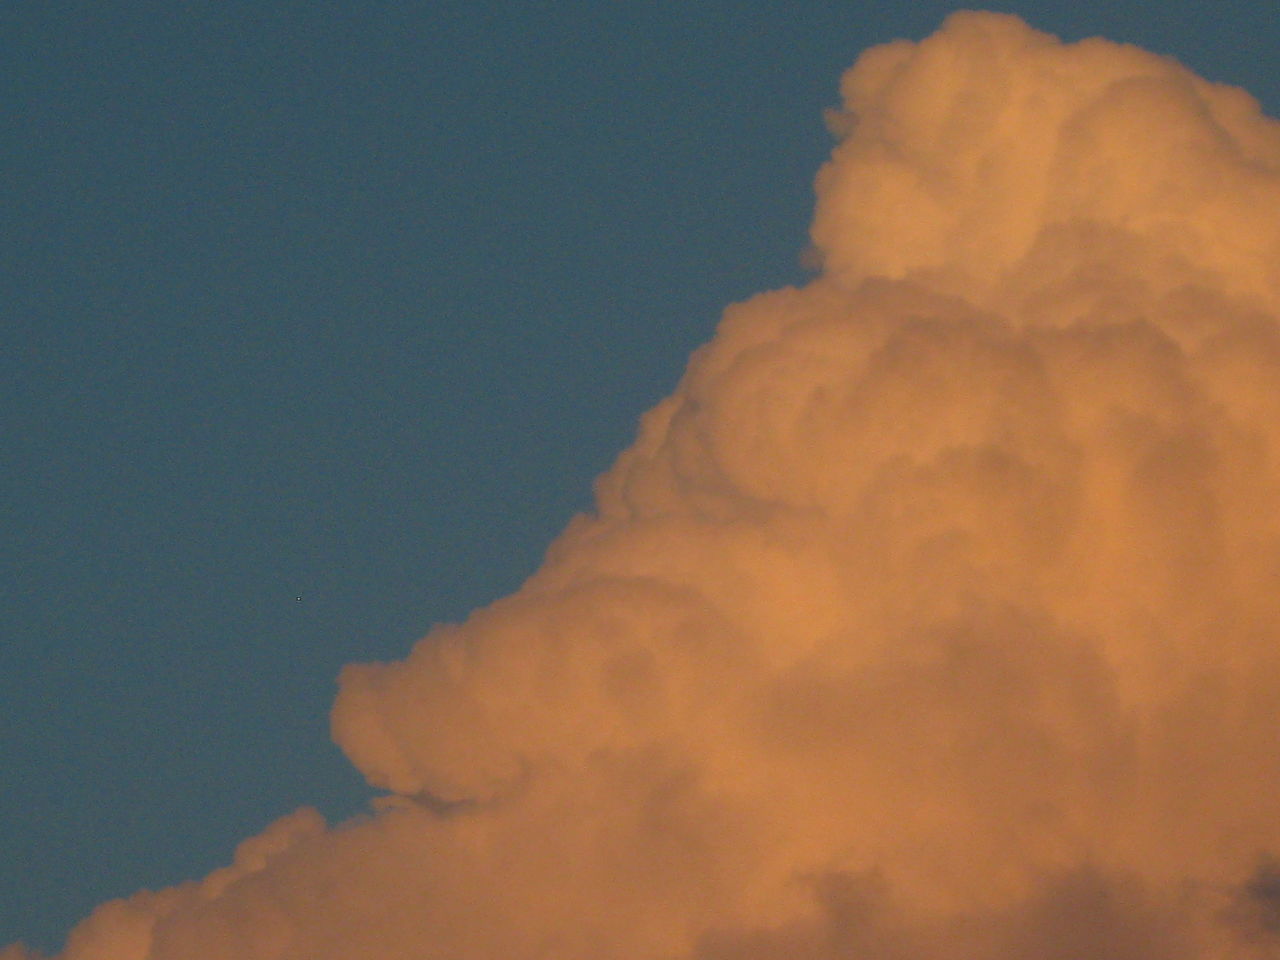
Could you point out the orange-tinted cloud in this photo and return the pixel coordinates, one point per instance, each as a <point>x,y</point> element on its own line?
<point>933,616</point>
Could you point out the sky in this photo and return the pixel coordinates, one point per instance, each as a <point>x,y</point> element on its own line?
<point>322,320</point>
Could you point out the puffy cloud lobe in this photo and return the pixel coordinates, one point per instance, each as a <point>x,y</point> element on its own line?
<point>966,153</point>
<point>933,616</point>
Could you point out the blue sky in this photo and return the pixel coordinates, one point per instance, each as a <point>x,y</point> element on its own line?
<point>349,303</point>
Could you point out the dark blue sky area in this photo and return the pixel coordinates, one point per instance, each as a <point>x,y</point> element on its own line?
<point>350,302</point>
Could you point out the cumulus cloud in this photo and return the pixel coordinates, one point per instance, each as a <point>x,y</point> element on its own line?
<point>933,616</point>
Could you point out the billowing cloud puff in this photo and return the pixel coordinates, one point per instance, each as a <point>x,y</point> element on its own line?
<point>935,615</point>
